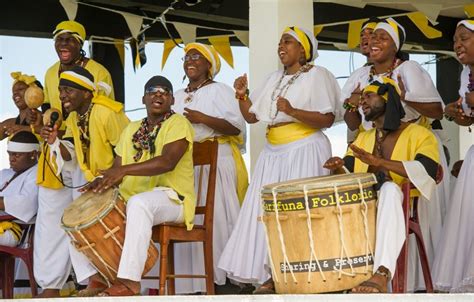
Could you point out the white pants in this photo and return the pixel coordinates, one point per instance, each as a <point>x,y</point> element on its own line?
<point>51,253</point>
<point>8,239</point>
<point>144,210</point>
<point>390,228</point>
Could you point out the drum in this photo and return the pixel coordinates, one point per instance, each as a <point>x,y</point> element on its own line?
<point>96,225</point>
<point>320,232</point>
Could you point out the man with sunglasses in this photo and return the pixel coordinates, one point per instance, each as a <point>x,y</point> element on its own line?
<point>155,174</point>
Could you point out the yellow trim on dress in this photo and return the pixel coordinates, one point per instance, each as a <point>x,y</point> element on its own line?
<point>288,133</point>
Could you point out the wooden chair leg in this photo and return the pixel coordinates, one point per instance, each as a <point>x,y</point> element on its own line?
<point>209,267</point>
<point>8,277</point>
<point>171,281</point>
<point>28,259</point>
<point>163,267</point>
<point>416,230</point>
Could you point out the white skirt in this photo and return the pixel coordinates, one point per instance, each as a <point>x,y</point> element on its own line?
<point>245,255</point>
<point>189,257</point>
<point>454,264</point>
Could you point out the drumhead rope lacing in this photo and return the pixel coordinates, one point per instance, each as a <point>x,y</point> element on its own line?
<point>282,240</point>
<point>111,234</point>
<point>341,237</point>
<point>311,241</point>
<point>274,274</point>
<point>368,248</point>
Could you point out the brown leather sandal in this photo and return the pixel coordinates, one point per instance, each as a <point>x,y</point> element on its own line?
<point>93,288</point>
<point>117,290</point>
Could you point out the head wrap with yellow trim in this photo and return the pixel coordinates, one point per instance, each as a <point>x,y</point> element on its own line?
<point>468,23</point>
<point>74,28</point>
<point>79,78</point>
<point>390,93</point>
<point>209,53</point>
<point>397,33</point>
<point>306,39</point>
<point>370,24</point>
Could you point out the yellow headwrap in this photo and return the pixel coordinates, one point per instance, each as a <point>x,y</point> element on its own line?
<point>209,53</point>
<point>306,39</point>
<point>20,77</point>
<point>374,87</point>
<point>72,27</point>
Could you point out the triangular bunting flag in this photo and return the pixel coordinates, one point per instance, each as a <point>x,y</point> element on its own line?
<point>187,32</point>
<point>243,36</point>
<point>469,10</point>
<point>420,20</point>
<point>317,29</point>
<point>70,6</point>
<point>353,34</point>
<point>431,11</point>
<point>134,23</point>
<point>222,46</point>
<point>138,51</point>
<point>168,46</point>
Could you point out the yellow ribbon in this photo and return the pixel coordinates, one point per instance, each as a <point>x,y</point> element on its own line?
<point>303,39</point>
<point>20,77</point>
<point>13,227</point>
<point>46,175</point>
<point>288,133</point>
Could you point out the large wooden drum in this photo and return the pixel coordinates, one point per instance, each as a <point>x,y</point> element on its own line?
<point>321,232</point>
<point>96,225</point>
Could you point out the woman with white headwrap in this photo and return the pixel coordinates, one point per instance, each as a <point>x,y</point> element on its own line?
<point>454,265</point>
<point>422,103</point>
<point>296,103</point>
<point>211,108</point>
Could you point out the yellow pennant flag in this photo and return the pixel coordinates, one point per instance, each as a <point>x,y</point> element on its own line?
<point>168,46</point>
<point>222,46</point>
<point>317,29</point>
<point>420,20</point>
<point>120,46</point>
<point>469,10</point>
<point>353,34</point>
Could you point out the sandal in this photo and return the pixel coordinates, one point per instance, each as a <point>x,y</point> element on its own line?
<point>370,284</point>
<point>117,290</point>
<point>267,288</point>
<point>93,288</point>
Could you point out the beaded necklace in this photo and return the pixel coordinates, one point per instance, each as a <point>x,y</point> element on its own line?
<point>284,89</point>
<point>144,138</point>
<point>79,62</point>
<point>191,91</point>
<point>83,124</point>
<point>380,136</point>
<point>388,73</point>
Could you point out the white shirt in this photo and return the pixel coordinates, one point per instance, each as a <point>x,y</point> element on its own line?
<point>216,100</point>
<point>418,85</point>
<point>21,195</point>
<point>463,89</point>
<point>316,90</point>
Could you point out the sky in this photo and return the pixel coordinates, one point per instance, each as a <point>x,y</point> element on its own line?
<point>34,56</point>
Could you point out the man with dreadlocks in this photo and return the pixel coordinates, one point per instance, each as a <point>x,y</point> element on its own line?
<point>395,152</point>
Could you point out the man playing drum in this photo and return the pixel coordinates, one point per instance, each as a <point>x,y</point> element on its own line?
<point>155,174</point>
<point>396,152</point>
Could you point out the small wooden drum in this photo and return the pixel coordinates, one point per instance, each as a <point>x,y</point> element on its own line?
<point>96,225</point>
<point>321,232</point>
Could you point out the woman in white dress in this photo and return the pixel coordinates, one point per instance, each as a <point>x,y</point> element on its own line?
<point>454,263</point>
<point>295,103</point>
<point>421,102</point>
<point>211,108</point>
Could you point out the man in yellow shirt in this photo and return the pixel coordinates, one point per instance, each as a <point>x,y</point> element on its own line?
<point>396,152</point>
<point>154,171</point>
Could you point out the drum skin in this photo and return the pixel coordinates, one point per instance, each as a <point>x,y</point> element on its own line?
<point>96,224</point>
<point>327,232</point>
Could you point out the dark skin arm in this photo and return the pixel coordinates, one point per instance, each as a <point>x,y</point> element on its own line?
<point>50,134</point>
<point>240,86</point>
<point>311,118</point>
<point>379,163</point>
<point>353,118</point>
<point>431,110</point>
<point>167,161</point>
<point>335,164</point>
<point>455,110</point>
<point>218,124</point>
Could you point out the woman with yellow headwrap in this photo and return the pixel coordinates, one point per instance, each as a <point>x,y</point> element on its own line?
<point>21,82</point>
<point>296,103</point>
<point>211,108</point>
<point>453,269</point>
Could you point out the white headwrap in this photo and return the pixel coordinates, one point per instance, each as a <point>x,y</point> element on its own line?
<point>22,147</point>
<point>296,32</point>
<point>394,29</point>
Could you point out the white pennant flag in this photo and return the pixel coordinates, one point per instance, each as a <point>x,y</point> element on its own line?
<point>187,32</point>
<point>243,36</point>
<point>431,11</point>
<point>70,6</point>
<point>134,23</point>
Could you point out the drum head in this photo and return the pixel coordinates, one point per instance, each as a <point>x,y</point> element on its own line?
<point>88,206</point>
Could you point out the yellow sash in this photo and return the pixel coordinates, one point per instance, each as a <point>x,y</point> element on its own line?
<point>288,133</point>
<point>8,225</point>
<point>46,175</point>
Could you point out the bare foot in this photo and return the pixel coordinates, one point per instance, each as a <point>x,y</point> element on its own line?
<point>122,287</point>
<point>376,284</point>
<point>49,293</point>
<point>97,284</point>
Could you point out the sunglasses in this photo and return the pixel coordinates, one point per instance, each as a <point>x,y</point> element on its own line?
<point>193,57</point>
<point>161,91</point>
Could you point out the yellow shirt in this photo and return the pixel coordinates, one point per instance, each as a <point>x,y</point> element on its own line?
<point>106,123</point>
<point>181,179</point>
<point>413,140</point>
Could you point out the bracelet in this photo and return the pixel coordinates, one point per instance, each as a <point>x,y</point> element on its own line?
<point>349,106</point>
<point>242,98</point>
<point>449,118</point>
<point>386,273</point>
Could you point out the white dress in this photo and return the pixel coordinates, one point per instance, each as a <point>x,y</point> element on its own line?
<point>245,256</point>
<point>419,88</point>
<point>217,100</point>
<point>454,266</point>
